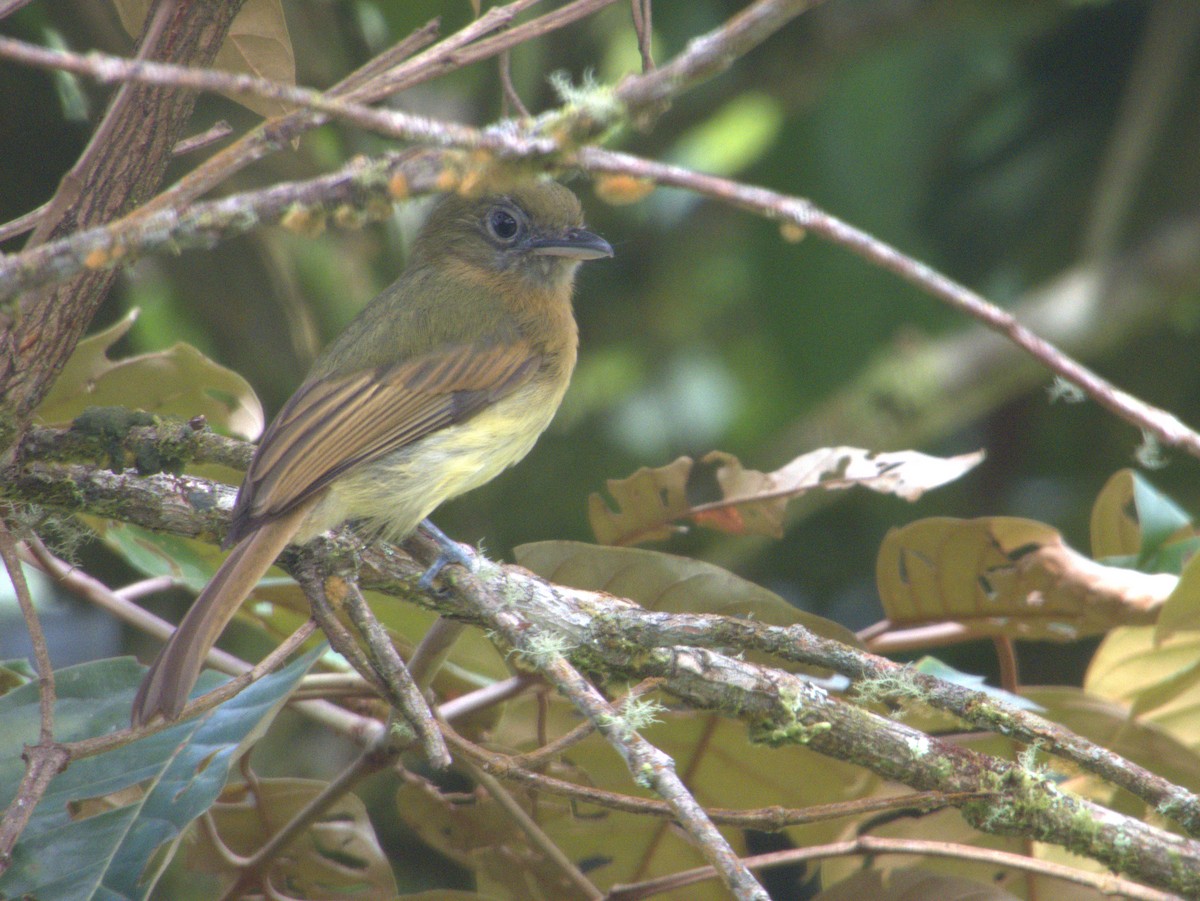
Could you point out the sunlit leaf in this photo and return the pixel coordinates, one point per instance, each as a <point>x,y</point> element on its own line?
<point>1160,681</point>
<point>179,381</point>
<point>1008,576</point>
<point>1182,608</point>
<point>718,492</point>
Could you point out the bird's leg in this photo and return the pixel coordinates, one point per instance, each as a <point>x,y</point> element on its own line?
<point>450,552</point>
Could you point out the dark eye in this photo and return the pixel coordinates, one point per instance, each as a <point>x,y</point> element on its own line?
<point>503,224</point>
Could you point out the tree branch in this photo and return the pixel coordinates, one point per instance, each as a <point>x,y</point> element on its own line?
<point>781,707</point>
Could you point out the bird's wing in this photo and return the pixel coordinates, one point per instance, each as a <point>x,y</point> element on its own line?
<point>334,424</point>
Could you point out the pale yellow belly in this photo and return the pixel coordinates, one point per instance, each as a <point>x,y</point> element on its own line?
<point>395,493</point>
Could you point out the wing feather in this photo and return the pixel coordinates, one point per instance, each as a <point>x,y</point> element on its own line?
<point>333,425</point>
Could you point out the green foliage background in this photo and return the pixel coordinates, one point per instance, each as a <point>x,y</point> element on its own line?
<point>969,134</point>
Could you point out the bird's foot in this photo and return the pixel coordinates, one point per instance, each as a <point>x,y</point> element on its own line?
<point>450,552</point>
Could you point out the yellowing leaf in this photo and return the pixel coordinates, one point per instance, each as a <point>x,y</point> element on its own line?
<point>1008,576</point>
<point>481,836</point>
<point>1159,681</point>
<point>258,43</point>
<point>179,381</point>
<point>1182,609</point>
<point>718,492</point>
<point>1114,525</point>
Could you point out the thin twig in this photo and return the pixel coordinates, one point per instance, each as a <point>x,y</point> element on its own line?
<point>33,625</point>
<point>90,747</point>
<point>371,83</point>
<point>16,272</point>
<point>403,691</point>
<point>47,758</point>
<point>707,56</point>
<point>1166,427</point>
<point>1104,883</point>
<point>24,223</point>
<point>483,698</point>
<point>607,627</point>
<point>766,819</point>
<point>649,766</point>
<point>8,7</point>
<point>210,135</point>
<point>642,11</point>
<point>377,757</point>
<point>390,123</point>
<point>525,822</point>
<point>119,604</point>
<point>511,97</point>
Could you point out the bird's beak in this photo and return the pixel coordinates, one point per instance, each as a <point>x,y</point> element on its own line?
<point>574,243</point>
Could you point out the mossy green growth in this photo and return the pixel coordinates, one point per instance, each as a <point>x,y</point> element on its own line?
<point>796,732</point>
<point>107,430</point>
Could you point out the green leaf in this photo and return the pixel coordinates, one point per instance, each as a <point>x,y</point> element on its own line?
<point>1160,518</point>
<point>1134,524</point>
<point>189,562</point>
<point>179,381</point>
<point>86,815</point>
<point>668,583</point>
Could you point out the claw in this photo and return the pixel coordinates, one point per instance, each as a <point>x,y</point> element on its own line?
<point>451,552</point>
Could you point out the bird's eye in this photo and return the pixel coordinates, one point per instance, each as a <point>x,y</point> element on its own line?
<point>503,224</point>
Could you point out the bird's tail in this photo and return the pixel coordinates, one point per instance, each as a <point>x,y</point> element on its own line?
<point>173,674</point>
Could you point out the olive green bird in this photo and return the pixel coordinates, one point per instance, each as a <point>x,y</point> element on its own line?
<point>443,381</point>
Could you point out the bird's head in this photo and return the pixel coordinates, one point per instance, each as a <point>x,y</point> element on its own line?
<point>533,231</point>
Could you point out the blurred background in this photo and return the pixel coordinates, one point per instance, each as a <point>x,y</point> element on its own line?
<point>1043,152</point>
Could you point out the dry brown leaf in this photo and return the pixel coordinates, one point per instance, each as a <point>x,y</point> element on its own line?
<point>1009,576</point>
<point>258,44</point>
<point>719,493</point>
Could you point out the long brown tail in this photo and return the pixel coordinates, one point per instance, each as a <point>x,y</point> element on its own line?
<point>173,674</point>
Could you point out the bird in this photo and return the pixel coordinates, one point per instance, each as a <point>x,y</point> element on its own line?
<point>439,384</point>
